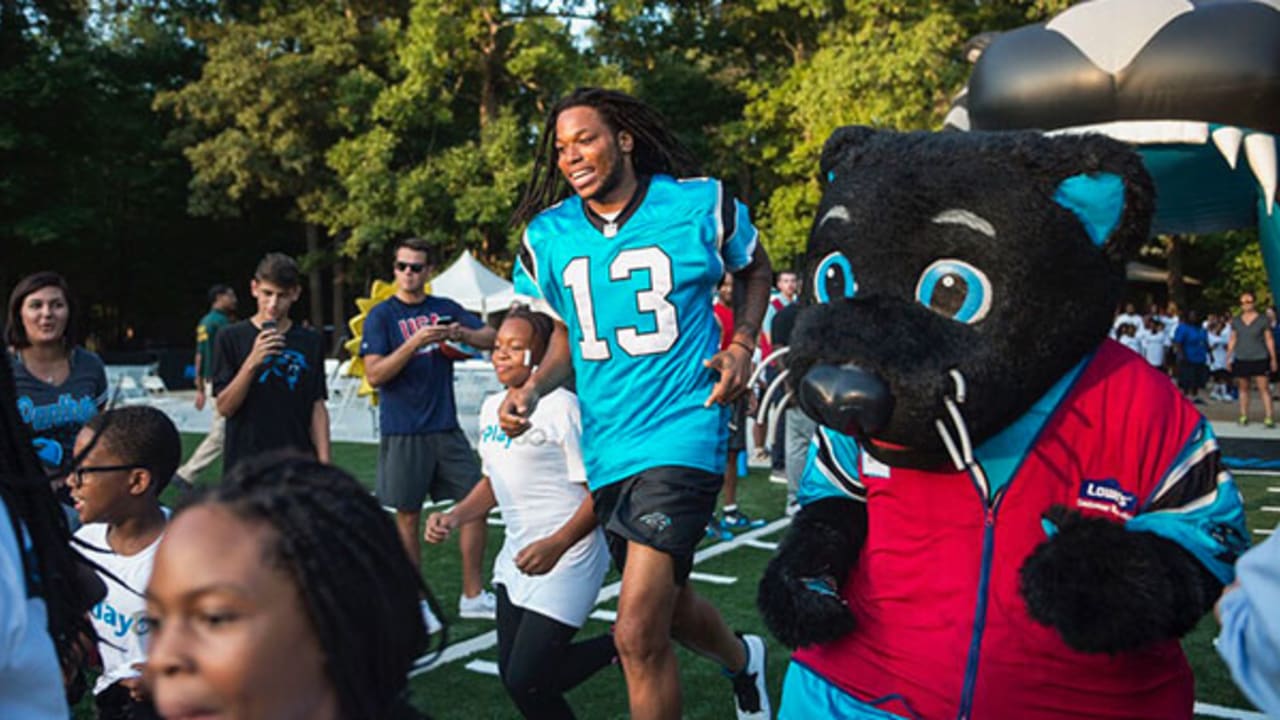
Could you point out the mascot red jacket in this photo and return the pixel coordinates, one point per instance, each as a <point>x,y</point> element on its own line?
<point>1005,514</point>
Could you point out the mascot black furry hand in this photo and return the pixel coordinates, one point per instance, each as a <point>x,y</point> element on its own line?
<point>1006,515</point>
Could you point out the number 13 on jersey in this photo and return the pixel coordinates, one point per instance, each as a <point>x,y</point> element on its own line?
<point>651,300</point>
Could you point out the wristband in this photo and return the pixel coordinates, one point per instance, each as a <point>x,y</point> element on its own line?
<point>750,350</point>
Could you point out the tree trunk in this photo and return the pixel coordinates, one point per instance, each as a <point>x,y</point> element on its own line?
<point>339,299</point>
<point>315,284</point>
<point>1177,287</point>
<point>492,51</point>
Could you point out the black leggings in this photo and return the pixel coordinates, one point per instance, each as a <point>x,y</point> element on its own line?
<point>538,663</point>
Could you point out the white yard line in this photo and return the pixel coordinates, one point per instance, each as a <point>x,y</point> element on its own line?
<point>712,578</point>
<point>484,641</point>
<point>1270,508</point>
<point>484,667</point>
<point>762,544</point>
<point>1263,532</point>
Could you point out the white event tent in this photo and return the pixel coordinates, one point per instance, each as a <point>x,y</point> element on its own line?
<point>473,286</point>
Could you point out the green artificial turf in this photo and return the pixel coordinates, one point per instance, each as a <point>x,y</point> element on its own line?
<point>452,691</point>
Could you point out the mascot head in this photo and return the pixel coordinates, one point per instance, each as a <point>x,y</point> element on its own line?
<point>953,278</point>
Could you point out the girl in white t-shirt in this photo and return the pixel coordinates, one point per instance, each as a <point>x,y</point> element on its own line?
<point>549,570</point>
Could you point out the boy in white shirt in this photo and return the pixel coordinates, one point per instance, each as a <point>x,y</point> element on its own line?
<point>125,458</point>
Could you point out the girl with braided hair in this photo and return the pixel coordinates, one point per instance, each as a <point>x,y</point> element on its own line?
<point>284,593</point>
<point>45,590</point>
<point>548,573</point>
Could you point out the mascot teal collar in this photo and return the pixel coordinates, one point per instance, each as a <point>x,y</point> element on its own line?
<point>1002,454</point>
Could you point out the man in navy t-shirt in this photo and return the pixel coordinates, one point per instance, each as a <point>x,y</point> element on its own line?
<point>422,449</point>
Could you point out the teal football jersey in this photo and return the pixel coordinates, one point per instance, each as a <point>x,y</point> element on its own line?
<point>635,294</point>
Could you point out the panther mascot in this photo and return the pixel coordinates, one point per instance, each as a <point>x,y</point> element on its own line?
<point>1005,514</point>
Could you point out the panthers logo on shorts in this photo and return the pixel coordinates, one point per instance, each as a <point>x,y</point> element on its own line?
<point>656,521</point>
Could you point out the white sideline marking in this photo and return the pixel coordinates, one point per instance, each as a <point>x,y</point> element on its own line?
<point>1273,489</point>
<point>484,667</point>
<point>1270,508</point>
<point>762,544</point>
<point>604,615</point>
<point>1263,532</point>
<point>1217,711</point>
<point>484,641</point>
<point>713,579</point>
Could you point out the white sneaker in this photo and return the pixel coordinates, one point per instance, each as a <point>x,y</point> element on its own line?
<point>750,694</point>
<point>481,607</point>
<point>433,623</point>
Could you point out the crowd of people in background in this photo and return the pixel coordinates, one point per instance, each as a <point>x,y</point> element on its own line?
<point>1231,353</point>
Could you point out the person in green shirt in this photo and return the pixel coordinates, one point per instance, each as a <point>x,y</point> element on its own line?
<point>222,302</point>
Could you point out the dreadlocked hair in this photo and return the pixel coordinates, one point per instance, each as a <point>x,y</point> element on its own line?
<point>53,569</point>
<point>656,150</point>
<point>542,325</point>
<point>355,579</point>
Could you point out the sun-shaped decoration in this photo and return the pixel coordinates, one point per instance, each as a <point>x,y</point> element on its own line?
<point>378,292</point>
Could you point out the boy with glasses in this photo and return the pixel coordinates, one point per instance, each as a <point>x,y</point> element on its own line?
<point>422,449</point>
<point>126,457</point>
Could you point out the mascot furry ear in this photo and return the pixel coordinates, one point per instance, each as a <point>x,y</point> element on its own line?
<point>1007,514</point>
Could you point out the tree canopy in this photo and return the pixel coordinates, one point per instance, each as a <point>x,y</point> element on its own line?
<point>169,143</point>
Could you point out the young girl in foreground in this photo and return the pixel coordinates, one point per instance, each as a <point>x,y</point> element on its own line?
<point>549,570</point>
<point>285,593</point>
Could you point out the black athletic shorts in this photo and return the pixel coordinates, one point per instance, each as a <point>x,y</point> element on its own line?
<point>1251,368</point>
<point>666,508</point>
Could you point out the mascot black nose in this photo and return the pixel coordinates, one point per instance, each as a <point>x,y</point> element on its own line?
<point>846,398</point>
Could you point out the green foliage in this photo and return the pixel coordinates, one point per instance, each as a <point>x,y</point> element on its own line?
<point>371,120</point>
<point>1237,267</point>
<point>276,92</point>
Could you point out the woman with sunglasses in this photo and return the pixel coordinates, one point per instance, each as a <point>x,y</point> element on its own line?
<point>1251,354</point>
<point>60,384</point>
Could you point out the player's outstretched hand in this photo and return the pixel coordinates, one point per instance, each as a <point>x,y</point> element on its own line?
<point>516,409</point>
<point>734,365</point>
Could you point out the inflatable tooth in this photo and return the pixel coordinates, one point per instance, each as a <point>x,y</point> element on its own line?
<point>1194,85</point>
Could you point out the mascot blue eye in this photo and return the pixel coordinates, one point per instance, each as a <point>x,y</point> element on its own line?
<point>955,289</point>
<point>833,279</point>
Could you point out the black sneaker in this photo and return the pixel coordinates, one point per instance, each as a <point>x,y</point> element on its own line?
<point>750,695</point>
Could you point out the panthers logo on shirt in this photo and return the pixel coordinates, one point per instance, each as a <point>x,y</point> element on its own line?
<point>289,365</point>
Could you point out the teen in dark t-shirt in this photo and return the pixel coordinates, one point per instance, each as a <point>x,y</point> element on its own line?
<point>268,374</point>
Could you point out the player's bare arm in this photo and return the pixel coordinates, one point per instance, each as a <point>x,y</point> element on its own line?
<point>556,367</point>
<point>750,300</point>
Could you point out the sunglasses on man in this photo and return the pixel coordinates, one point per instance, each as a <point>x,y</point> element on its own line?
<point>411,267</point>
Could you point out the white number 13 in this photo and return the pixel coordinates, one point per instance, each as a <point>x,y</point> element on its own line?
<point>577,277</point>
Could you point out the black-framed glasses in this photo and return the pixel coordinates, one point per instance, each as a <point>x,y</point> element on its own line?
<point>80,472</point>
<point>411,267</point>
